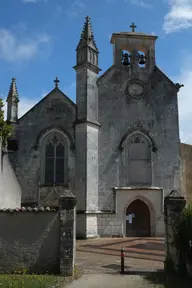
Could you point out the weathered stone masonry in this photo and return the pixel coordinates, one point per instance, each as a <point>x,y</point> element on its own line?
<point>39,240</point>
<point>121,138</point>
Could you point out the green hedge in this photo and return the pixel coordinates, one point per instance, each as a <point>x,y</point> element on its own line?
<point>183,238</point>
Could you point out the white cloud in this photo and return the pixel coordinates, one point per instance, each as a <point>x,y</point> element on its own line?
<point>141,3</point>
<point>185,102</point>
<point>14,49</point>
<point>34,1</point>
<point>179,16</point>
<point>74,8</point>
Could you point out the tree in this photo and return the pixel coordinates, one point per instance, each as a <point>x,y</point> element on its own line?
<point>5,128</point>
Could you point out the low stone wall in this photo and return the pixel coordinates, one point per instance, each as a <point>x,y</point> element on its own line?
<point>39,240</point>
<point>29,240</point>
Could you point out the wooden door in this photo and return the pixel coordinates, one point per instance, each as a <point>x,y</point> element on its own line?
<point>138,219</point>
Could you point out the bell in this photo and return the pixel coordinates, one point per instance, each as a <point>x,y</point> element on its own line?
<point>142,59</point>
<point>126,61</point>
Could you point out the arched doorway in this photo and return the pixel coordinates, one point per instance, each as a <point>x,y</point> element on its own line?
<point>138,219</point>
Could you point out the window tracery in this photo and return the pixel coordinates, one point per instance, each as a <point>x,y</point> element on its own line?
<point>138,159</point>
<point>54,159</point>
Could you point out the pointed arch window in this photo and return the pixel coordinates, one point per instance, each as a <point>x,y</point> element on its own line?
<point>138,159</point>
<point>55,160</point>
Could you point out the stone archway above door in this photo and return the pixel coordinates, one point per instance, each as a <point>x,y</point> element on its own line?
<point>151,196</point>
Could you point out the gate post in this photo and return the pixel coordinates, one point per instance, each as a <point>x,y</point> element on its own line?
<point>174,204</point>
<point>67,214</point>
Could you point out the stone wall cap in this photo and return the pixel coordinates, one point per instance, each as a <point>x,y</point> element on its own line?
<point>175,194</point>
<point>135,35</point>
<point>29,209</point>
<point>63,192</point>
<point>137,188</point>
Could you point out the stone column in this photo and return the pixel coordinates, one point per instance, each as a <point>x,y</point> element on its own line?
<point>174,204</point>
<point>67,212</point>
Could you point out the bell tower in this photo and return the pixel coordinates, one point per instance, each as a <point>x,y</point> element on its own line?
<point>134,51</point>
<point>86,133</point>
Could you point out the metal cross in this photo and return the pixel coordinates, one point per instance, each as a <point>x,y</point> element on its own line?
<point>133,26</point>
<point>56,82</point>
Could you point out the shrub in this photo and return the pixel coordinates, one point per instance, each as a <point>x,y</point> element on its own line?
<point>183,239</point>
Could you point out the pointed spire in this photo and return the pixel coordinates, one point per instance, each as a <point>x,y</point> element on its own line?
<point>87,33</point>
<point>12,102</point>
<point>13,93</point>
<point>87,36</point>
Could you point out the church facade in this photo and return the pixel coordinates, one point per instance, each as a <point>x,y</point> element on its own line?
<point>117,148</point>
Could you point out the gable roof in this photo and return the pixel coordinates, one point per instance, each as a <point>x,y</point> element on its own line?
<point>105,73</point>
<point>55,89</point>
<point>161,73</point>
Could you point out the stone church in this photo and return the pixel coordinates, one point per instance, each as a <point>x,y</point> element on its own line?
<point>117,149</point>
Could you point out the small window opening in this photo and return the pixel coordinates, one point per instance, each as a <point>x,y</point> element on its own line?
<point>126,58</point>
<point>141,59</point>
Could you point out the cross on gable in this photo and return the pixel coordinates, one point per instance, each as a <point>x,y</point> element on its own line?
<point>56,81</point>
<point>133,26</point>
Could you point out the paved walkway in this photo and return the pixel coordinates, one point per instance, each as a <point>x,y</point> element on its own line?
<point>102,255</point>
<point>99,260</point>
<point>112,281</point>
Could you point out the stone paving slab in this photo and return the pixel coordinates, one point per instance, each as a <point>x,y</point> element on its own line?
<point>102,255</point>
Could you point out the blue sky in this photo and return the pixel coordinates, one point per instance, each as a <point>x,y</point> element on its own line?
<point>38,39</point>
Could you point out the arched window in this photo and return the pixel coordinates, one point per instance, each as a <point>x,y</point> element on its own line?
<point>54,159</point>
<point>126,58</point>
<point>141,59</point>
<point>139,161</point>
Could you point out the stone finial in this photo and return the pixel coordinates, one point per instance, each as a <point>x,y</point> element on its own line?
<point>178,86</point>
<point>175,194</point>
<point>13,92</point>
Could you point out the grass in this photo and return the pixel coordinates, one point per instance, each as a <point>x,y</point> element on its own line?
<point>24,280</point>
<point>163,280</point>
<point>29,281</point>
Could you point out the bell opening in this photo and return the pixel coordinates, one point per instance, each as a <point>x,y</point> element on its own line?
<point>126,58</point>
<point>141,59</point>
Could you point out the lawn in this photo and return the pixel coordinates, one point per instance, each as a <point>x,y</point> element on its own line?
<point>21,279</point>
<point>30,281</point>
